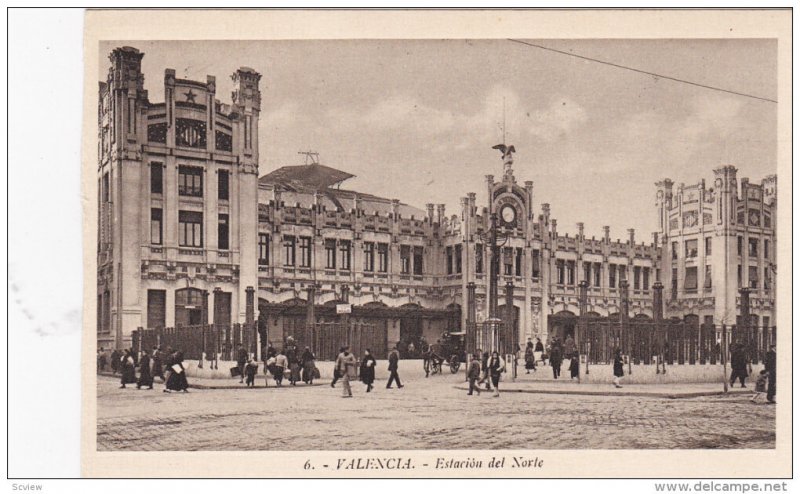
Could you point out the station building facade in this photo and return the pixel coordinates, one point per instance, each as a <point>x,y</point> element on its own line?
<point>183,217</point>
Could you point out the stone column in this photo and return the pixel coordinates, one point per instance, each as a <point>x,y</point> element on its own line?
<point>623,319</point>
<point>583,333</point>
<point>510,336</point>
<point>250,317</point>
<point>658,321</point>
<point>743,327</point>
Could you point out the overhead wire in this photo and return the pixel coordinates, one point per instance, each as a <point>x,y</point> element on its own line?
<point>640,71</point>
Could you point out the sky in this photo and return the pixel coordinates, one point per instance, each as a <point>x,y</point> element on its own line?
<point>416,120</point>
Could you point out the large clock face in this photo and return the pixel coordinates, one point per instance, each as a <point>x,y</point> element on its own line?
<point>508,213</point>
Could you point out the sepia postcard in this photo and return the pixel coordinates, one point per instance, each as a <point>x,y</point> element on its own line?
<point>399,243</point>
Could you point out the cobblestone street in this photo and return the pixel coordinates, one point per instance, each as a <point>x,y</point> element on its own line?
<point>425,414</point>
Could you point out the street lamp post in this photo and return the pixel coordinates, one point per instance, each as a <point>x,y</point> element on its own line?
<point>492,324</point>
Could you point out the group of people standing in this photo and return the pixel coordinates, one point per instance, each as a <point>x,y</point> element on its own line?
<point>287,362</point>
<point>347,367</point>
<point>485,368</point>
<point>165,364</point>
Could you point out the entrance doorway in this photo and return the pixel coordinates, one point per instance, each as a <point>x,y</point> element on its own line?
<point>188,307</point>
<point>561,324</point>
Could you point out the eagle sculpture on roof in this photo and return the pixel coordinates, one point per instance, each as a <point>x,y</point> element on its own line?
<point>507,153</point>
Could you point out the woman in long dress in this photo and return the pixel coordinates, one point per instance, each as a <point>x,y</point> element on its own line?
<point>530,359</point>
<point>307,360</point>
<point>367,370</point>
<point>128,369</point>
<point>177,377</point>
<point>145,377</point>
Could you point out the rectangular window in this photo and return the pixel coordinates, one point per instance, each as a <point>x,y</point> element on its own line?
<point>289,244</point>
<point>478,258</point>
<point>418,260</point>
<point>263,249</point>
<point>458,258</point>
<point>560,275</point>
<point>597,274</point>
<point>106,188</point>
<point>223,188</point>
<point>766,278</point>
<point>190,228</point>
<point>752,247</point>
<point>305,252</point>
<point>739,275</point>
<point>383,258</point>
<point>637,274</point>
<point>508,261</point>
<point>330,253</point>
<point>405,259</point>
<point>708,280</point>
<point>570,272</point>
<point>449,255</point>
<point>156,178</point>
<point>690,281</point>
<point>535,261</point>
<point>766,248</point>
<point>190,181</point>
<point>752,277</point>
<point>156,309</point>
<point>708,246</point>
<point>646,278</point>
<point>156,226</point>
<point>222,232</point>
<point>739,245</point>
<point>369,256</point>
<point>612,275</point>
<point>587,272</point>
<point>691,248</point>
<point>344,255</point>
<point>674,283</point>
<point>674,250</point>
<point>517,263</point>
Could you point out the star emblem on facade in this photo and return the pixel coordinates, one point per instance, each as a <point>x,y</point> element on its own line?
<point>190,96</point>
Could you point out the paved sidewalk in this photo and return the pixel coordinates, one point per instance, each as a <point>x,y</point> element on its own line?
<point>691,390</point>
<point>232,383</point>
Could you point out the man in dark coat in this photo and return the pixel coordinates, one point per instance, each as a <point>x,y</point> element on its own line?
<point>145,378</point>
<point>556,358</point>
<point>115,356</point>
<point>770,364</point>
<point>474,373</point>
<point>619,370</point>
<point>394,358</point>
<point>241,361</point>
<point>158,364</point>
<point>738,364</point>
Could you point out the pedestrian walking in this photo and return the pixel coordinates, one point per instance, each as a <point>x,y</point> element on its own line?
<point>145,377</point>
<point>177,375</point>
<point>770,364</point>
<point>115,360</point>
<point>336,374</point>
<point>346,364</point>
<point>394,358</point>
<point>250,371</point>
<point>474,373</point>
<point>308,362</point>
<point>569,347</point>
<point>158,364</point>
<point>290,350</point>
<point>496,367</point>
<point>618,368</point>
<point>759,397</point>
<point>367,369</point>
<point>556,358</point>
<point>538,351</point>
<point>530,359</point>
<point>241,362</point>
<point>574,366</point>
<point>485,369</point>
<point>127,369</point>
<point>738,364</point>
<point>281,363</point>
<point>102,361</point>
